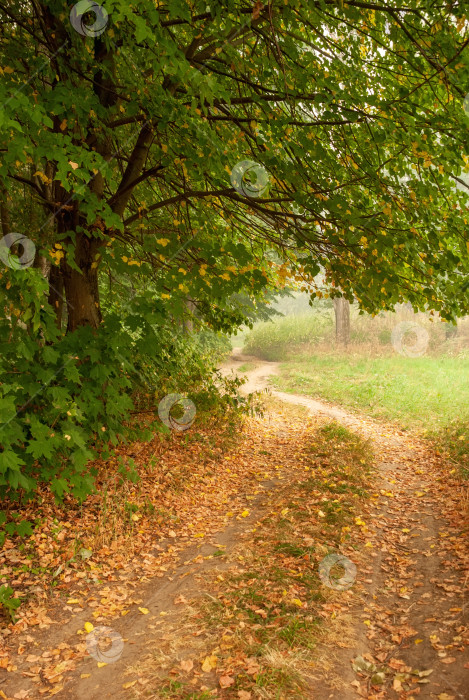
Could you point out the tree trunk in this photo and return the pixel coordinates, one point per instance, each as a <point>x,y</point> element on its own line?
<point>56,292</point>
<point>81,288</point>
<point>4,213</point>
<point>188,322</point>
<point>342,321</point>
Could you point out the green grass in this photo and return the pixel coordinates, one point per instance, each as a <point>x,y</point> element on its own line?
<point>424,392</point>
<point>430,394</point>
<point>247,366</point>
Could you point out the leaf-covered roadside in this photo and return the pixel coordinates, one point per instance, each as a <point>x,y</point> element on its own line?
<point>142,492</point>
<point>264,605</point>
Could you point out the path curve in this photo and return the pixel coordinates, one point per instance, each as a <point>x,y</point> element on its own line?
<point>415,594</point>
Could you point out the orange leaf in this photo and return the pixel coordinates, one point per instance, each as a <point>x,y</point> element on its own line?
<point>226,681</point>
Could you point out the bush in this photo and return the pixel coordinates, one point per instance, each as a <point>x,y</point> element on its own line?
<point>215,346</point>
<point>384,337</point>
<point>67,400</point>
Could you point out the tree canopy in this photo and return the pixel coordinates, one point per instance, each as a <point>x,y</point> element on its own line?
<point>122,125</point>
<point>160,153</point>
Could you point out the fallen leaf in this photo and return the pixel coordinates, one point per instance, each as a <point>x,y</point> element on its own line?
<point>144,611</point>
<point>180,599</point>
<point>209,663</point>
<point>187,665</point>
<point>226,681</point>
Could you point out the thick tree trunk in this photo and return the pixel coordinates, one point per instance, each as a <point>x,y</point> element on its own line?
<point>342,321</point>
<point>81,288</point>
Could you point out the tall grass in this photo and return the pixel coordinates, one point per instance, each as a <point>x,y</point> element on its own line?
<point>285,337</point>
<point>273,340</point>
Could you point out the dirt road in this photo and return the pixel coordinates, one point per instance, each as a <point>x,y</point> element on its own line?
<point>415,607</point>
<point>409,625</point>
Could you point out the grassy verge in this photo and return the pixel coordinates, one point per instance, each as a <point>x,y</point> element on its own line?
<point>263,617</point>
<point>453,441</point>
<point>424,393</point>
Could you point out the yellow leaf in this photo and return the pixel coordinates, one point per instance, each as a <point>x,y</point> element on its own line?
<point>129,684</point>
<point>245,514</point>
<point>209,663</point>
<point>85,675</point>
<point>144,611</point>
<point>297,602</point>
<point>72,601</point>
<point>89,627</point>
<point>101,664</point>
<point>63,125</point>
